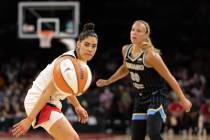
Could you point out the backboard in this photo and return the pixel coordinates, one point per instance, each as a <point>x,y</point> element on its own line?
<point>61,17</point>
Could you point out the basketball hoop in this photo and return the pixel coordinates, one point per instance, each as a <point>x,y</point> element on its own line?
<point>45,37</point>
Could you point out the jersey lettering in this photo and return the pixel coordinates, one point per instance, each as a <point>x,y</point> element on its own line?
<point>135,66</point>
<point>138,86</point>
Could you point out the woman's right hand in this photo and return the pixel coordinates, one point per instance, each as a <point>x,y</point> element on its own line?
<point>102,82</point>
<point>21,128</point>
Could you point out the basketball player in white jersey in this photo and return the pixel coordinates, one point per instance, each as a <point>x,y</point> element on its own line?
<point>42,102</point>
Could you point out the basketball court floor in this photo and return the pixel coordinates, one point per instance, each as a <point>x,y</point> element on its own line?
<point>96,136</point>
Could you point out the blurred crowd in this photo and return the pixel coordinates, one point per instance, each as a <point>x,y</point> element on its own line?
<point>110,108</point>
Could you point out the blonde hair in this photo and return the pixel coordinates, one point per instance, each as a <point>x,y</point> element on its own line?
<point>148,43</point>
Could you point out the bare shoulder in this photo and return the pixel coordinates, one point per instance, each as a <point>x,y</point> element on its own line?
<point>152,58</point>
<point>124,49</point>
<point>150,53</point>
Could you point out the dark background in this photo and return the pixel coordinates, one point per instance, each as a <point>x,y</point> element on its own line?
<point>180,28</point>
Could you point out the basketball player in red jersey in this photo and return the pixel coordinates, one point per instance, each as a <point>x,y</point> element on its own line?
<point>42,102</point>
<point>148,74</point>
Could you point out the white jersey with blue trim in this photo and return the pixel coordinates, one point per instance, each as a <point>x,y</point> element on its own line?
<point>41,83</point>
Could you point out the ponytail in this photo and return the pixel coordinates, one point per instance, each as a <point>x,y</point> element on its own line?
<point>148,44</point>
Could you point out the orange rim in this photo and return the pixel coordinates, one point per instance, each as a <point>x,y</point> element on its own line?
<point>46,33</point>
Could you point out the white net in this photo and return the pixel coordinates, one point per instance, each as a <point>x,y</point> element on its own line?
<point>45,38</point>
<point>70,43</point>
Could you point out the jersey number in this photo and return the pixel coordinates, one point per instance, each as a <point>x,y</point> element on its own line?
<point>135,77</point>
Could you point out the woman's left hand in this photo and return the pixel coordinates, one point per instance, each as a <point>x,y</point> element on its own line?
<point>186,104</point>
<point>21,128</point>
<point>82,114</point>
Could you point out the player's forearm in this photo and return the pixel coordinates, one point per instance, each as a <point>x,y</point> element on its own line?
<point>44,98</point>
<point>119,74</point>
<point>175,86</point>
<point>74,101</point>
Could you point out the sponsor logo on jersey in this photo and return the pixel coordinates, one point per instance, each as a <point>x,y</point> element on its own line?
<point>135,66</point>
